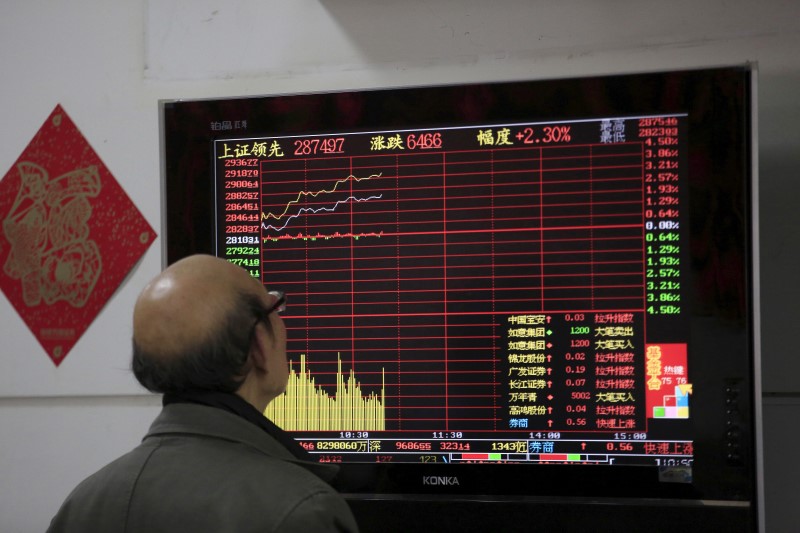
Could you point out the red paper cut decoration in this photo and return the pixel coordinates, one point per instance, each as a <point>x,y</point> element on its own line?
<point>68,235</point>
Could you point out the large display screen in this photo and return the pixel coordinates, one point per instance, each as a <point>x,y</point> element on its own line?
<point>551,275</point>
<point>493,292</point>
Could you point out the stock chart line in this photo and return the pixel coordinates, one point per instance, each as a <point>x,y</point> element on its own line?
<point>314,194</point>
<point>304,210</point>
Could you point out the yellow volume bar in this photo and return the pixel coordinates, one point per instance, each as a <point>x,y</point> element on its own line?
<point>306,407</point>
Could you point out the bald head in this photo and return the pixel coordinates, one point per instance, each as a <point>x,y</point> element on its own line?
<point>187,302</point>
<point>195,324</point>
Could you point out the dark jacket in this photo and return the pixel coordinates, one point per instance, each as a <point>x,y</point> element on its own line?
<point>201,469</point>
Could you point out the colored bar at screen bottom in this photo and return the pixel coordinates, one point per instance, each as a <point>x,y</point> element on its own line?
<point>481,457</point>
<point>540,457</point>
<point>543,457</point>
<point>559,457</point>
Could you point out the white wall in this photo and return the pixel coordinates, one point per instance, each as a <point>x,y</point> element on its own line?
<point>108,62</point>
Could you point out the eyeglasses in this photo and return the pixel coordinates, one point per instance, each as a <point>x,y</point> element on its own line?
<point>280,303</point>
<point>278,307</point>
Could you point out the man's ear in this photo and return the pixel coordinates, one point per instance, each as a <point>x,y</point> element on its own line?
<point>259,348</point>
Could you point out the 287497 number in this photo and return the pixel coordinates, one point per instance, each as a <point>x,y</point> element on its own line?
<point>331,145</point>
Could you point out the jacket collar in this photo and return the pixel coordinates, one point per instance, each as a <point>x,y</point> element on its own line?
<point>206,421</point>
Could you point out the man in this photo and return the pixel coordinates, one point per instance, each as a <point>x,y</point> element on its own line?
<point>208,336</point>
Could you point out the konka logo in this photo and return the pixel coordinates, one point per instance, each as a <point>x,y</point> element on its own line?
<point>440,480</point>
